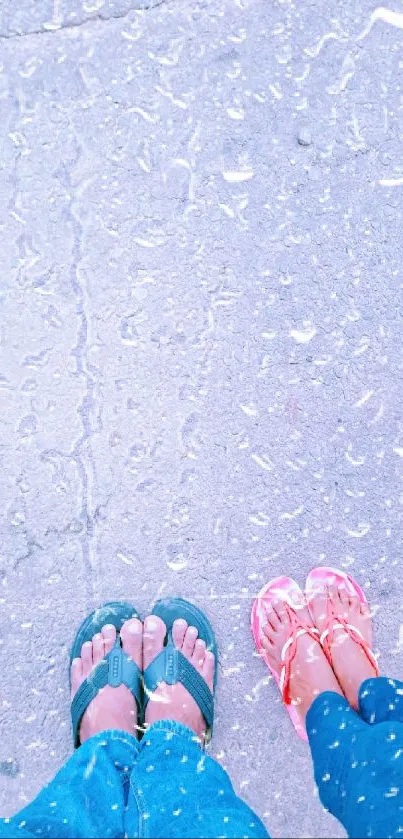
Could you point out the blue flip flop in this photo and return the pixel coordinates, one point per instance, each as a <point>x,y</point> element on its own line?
<point>117,668</point>
<point>171,666</point>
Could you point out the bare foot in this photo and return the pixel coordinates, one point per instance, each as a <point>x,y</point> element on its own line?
<point>350,663</point>
<point>310,672</point>
<point>174,702</point>
<point>113,707</point>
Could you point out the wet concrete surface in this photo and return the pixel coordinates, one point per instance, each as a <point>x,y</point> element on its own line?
<point>200,344</point>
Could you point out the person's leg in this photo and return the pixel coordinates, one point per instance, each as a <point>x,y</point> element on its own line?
<point>357,757</point>
<point>176,790</point>
<point>358,767</point>
<point>87,797</point>
<point>381,700</point>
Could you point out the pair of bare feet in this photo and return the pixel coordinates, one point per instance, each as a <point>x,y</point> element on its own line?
<point>311,673</point>
<point>115,707</point>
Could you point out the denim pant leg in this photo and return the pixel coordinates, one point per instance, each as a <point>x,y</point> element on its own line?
<point>86,798</point>
<point>381,700</point>
<point>358,767</point>
<point>176,790</point>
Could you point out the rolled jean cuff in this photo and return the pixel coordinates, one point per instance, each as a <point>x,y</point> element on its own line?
<point>171,729</point>
<point>381,700</point>
<point>121,746</point>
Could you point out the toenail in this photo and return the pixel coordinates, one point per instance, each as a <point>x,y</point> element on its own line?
<point>151,624</point>
<point>180,622</point>
<point>109,627</point>
<point>134,628</point>
<point>192,630</point>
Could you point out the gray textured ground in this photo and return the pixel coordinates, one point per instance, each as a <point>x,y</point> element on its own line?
<point>200,229</point>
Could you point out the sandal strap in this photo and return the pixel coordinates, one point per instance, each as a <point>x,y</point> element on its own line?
<point>338,622</point>
<point>171,666</point>
<point>288,653</point>
<point>339,625</point>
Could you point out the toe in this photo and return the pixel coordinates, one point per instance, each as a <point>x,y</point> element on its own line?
<point>109,636</point>
<point>297,598</point>
<point>199,654</point>
<point>189,641</point>
<point>344,598</point>
<point>86,656</point>
<point>347,604</point>
<point>268,630</point>
<point>304,615</point>
<point>208,668</point>
<point>98,648</point>
<point>333,593</point>
<point>153,638</point>
<point>318,605</point>
<point>299,608</point>
<point>272,621</point>
<point>355,602</point>
<point>76,674</point>
<point>178,632</point>
<point>280,611</point>
<point>267,637</point>
<point>132,639</point>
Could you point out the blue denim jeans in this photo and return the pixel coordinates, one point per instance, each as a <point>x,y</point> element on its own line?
<point>166,786</point>
<point>114,786</point>
<point>358,757</point>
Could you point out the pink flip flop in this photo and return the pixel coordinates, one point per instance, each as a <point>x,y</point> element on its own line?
<point>324,576</point>
<point>282,588</point>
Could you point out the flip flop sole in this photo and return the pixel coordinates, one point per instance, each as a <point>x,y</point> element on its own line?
<point>283,588</point>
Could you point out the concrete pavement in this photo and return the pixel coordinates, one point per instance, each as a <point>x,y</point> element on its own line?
<point>200,343</point>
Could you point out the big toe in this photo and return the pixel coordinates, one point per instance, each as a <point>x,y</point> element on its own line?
<point>318,607</point>
<point>304,615</point>
<point>131,635</point>
<point>153,638</point>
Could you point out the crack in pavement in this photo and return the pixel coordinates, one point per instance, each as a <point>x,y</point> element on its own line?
<point>96,20</point>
